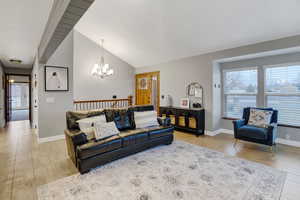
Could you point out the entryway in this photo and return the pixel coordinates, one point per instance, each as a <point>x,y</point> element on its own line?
<point>147,89</point>
<point>17,97</point>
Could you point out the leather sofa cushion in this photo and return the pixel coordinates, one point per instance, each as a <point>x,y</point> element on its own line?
<point>135,139</point>
<point>122,122</point>
<point>124,116</point>
<point>98,147</point>
<point>124,139</point>
<point>253,132</point>
<point>160,131</point>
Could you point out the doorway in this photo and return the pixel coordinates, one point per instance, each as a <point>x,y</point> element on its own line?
<point>18,101</point>
<point>147,89</point>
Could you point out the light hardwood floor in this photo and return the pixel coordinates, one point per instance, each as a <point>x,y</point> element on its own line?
<point>25,164</point>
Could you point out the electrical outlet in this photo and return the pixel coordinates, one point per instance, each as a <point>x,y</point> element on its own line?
<point>287,136</point>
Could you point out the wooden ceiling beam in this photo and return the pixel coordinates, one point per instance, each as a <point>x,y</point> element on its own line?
<point>63,17</point>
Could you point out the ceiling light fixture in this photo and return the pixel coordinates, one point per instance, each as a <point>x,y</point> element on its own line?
<point>15,61</point>
<point>102,70</point>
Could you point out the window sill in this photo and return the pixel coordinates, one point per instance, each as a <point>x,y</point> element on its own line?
<point>283,125</point>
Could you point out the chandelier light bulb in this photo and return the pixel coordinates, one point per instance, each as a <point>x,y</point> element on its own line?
<point>102,69</point>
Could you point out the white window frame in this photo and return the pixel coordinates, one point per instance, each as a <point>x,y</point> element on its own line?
<point>224,95</point>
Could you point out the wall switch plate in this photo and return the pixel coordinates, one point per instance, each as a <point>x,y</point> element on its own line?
<point>50,100</point>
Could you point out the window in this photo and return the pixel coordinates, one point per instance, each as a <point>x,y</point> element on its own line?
<point>240,90</point>
<point>282,92</point>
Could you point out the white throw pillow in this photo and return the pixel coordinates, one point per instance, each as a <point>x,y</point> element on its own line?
<point>260,118</point>
<point>145,119</point>
<point>86,125</point>
<point>103,130</point>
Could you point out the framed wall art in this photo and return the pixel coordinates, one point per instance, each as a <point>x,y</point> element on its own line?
<point>56,79</point>
<point>184,103</point>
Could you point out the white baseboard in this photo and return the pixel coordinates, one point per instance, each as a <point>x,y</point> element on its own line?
<point>288,142</point>
<point>213,133</point>
<point>50,139</point>
<point>210,133</point>
<point>278,140</point>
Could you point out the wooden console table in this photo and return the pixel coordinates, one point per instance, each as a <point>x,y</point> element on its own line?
<point>189,120</point>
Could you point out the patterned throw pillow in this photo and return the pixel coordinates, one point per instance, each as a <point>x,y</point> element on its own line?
<point>260,118</point>
<point>106,129</point>
<point>86,125</point>
<point>145,119</point>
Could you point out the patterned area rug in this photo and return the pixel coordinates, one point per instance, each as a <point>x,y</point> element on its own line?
<point>177,171</point>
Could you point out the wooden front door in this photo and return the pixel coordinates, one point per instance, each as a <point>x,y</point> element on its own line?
<point>147,89</point>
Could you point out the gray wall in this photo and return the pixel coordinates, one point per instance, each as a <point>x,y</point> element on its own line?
<point>284,132</point>
<point>87,87</point>
<point>176,75</point>
<point>51,115</point>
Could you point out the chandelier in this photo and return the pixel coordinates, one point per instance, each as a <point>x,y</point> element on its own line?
<point>102,70</point>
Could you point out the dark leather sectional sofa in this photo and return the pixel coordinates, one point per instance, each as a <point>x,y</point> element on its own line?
<point>87,153</point>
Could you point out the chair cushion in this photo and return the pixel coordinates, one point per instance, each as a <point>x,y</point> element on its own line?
<point>253,132</point>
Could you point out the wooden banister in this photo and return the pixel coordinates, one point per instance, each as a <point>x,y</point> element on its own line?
<point>103,103</point>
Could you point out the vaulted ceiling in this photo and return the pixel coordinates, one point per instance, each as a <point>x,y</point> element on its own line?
<point>22,23</point>
<point>149,32</point>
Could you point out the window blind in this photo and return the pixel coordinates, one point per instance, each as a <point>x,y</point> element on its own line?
<point>240,90</point>
<point>282,91</point>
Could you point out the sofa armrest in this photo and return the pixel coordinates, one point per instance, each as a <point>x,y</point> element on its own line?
<point>238,124</point>
<point>73,139</point>
<point>164,121</point>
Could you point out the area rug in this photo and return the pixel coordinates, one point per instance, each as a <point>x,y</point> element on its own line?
<point>176,171</point>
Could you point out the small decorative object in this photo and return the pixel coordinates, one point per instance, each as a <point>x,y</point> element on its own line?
<point>102,70</point>
<point>143,83</point>
<point>166,100</point>
<point>197,105</point>
<point>56,78</point>
<point>185,103</point>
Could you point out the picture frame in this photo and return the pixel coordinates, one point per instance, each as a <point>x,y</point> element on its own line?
<point>56,79</point>
<point>184,103</point>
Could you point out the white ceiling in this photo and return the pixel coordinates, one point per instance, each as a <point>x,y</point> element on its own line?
<point>149,32</point>
<point>22,24</point>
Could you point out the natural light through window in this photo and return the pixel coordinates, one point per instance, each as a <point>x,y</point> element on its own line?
<point>279,88</point>
<point>282,92</point>
<point>240,90</point>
